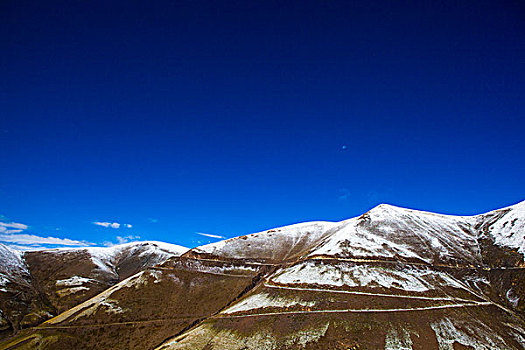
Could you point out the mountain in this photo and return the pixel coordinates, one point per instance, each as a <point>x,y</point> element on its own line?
<point>18,295</point>
<point>392,278</point>
<point>37,285</point>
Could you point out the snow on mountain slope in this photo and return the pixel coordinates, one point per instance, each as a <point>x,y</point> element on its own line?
<point>69,276</point>
<point>385,232</point>
<point>392,232</point>
<point>20,302</point>
<point>12,266</point>
<point>106,258</point>
<point>392,278</point>
<point>506,226</point>
<point>276,245</point>
<point>408,279</point>
<point>35,284</point>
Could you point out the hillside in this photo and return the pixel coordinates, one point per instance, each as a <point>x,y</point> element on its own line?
<point>37,285</point>
<point>392,278</point>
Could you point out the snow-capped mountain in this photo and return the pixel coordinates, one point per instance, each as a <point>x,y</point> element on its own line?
<point>385,232</point>
<point>55,280</point>
<point>12,266</point>
<point>392,278</point>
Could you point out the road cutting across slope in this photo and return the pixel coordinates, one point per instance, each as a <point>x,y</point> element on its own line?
<point>367,293</point>
<point>474,304</point>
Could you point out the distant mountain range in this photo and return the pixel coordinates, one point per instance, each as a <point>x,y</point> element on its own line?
<point>392,278</point>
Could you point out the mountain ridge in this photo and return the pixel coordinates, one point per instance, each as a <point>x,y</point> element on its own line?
<point>392,278</point>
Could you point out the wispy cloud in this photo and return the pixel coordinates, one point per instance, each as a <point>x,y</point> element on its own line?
<point>12,227</point>
<point>111,224</point>
<point>27,247</point>
<point>126,239</point>
<point>25,238</point>
<point>210,235</point>
<point>122,240</point>
<point>11,234</point>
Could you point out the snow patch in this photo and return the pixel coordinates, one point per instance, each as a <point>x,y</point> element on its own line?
<point>74,281</point>
<point>509,230</point>
<point>263,300</point>
<point>207,336</point>
<point>4,280</point>
<point>68,291</point>
<point>408,279</point>
<point>398,340</point>
<point>112,306</point>
<point>157,275</point>
<point>482,338</point>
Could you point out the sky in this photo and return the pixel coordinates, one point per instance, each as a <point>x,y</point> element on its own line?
<point>192,121</point>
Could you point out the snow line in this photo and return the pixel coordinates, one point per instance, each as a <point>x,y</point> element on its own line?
<point>367,293</point>
<point>356,310</point>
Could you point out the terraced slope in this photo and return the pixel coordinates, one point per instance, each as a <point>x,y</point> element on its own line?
<point>392,278</point>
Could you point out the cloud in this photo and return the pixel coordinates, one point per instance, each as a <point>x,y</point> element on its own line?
<point>27,247</point>
<point>210,235</point>
<point>4,230</point>
<point>12,227</point>
<point>11,234</point>
<point>112,224</point>
<point>153,220</point>
<point>107,224</point>
<point>122,240</point>
<point>25,238</point>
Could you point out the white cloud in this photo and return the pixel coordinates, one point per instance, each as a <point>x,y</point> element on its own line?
<point>112,224</point>
<point>210,235</point>
<point>5,230</point>
<point>10,234</point>
<point>25,238</point>
<point>107,224</point>
<point>27,247</point>
<point>122,240</point>
<point>11,227</point>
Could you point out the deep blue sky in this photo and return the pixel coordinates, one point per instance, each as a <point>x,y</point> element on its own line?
<point>229,117</point>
